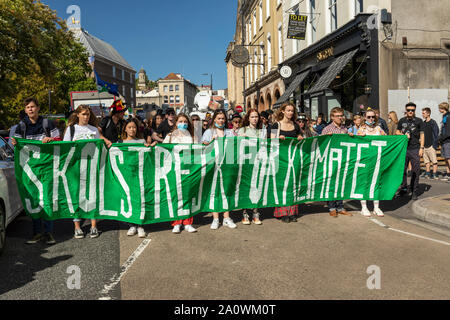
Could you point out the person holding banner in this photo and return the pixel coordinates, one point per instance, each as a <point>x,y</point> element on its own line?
<point>131,134</point>
<point>286,127</point>
<point>218,129</point>
<point>252,127</point>
<point>371,128</point>
<point>183,132</point>
<point>336,127</point>
<point>82,125</point>
<point>35,127</point>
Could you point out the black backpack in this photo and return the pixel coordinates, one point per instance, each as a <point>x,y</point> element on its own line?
<point>45,124</point>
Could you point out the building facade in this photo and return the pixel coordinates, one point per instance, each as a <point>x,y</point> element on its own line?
<point>377,53</point>
<point>177,91</point>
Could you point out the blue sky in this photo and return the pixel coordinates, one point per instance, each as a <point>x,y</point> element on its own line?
<point>163,36</point>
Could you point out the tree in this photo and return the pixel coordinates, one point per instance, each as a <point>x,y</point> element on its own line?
<point>38,54</point>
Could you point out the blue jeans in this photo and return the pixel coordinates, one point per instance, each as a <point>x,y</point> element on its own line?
<point>336,205</point>
<point>37,226</point>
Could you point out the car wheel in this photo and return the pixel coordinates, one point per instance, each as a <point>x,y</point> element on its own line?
<point>2,229</point>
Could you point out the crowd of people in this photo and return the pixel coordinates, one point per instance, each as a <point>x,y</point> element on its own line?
<point>424,137</point>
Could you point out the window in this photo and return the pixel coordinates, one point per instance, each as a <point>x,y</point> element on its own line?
<point>171,99</point>
<point>268,9</point>
<point>123,90</point>
<point>165,88</point>
<point>131,78</point>
<point>255,55</point>
<point>177,99</point>
<point>269,52</point>
<point>123,74</point>
<point>131,93</point>
<point>280,43</point>
<point>261,14</point>
<point>250,32</point>
<point>254,22</point>
<point>114,71</point>
<point>171,87</point>
<point>312,21</point>
<point>177,87</point>
<point>261,56</point>
<point>332,7</point>
<point>166,99</point>
<point>359,6</point>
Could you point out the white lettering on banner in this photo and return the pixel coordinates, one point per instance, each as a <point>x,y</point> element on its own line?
<point>291,157</point>
<point>272,170</point>
<point>380,145</point>
<point>161,173</point>
<point>88,204</point>
<point>299,192</point>
<point>349,145</point>
<point>318,157</point>
<point>358,164</point>
<point>61,174</point>
<point>141,153</point>
<point>24,158</point>
<point>338,159</point>
<point>178,172</point>
<point>242,156</point>
<point>258,173</point>
<point>102,211</point>
<point>311,168</point>
<point>114,153</point>
<point>217,172</point>
<point>196,203</point>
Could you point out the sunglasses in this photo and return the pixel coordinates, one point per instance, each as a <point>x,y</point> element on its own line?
<point>371,117</point>
<point>410,110</point>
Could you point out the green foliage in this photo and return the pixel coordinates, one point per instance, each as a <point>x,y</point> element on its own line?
<point>38,54</point>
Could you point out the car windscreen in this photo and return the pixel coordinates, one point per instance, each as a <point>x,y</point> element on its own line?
<point>6,153</point>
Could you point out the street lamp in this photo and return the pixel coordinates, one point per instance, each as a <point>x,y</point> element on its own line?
<point>49,101</point>
<point>207,74</point>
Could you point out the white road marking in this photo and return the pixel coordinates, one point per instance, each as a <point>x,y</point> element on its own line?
<point>408,233</point>
<point>123,269</point>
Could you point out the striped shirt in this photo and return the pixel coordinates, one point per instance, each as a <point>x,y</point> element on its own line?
<point>332,128</point>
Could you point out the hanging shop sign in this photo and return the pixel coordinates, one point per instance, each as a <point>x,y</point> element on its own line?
<point>297,27</point>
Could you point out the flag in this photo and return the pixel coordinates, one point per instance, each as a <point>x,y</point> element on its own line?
<point>103,86</point>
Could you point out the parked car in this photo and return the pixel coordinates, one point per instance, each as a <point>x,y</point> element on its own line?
<point>10,203</point>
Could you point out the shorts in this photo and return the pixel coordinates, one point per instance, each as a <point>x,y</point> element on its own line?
<point>445,150</point>
<point>429,155</point>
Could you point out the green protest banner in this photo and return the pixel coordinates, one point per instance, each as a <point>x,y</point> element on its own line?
<point>138,184</point>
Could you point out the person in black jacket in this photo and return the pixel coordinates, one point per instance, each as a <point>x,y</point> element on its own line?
<point>444,137</point>
<point>431,132</point>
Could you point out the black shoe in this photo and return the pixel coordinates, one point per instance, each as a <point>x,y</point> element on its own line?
<point>402,192</point>
<point>414,197</point>
<point>293,218</point>
<point>49,239</point>
<point>286,219</point>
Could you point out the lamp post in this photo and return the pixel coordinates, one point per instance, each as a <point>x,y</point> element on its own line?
<point>207,74</point>
<point>49,100</point>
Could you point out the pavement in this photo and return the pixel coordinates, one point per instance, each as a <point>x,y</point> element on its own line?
<point>435,210</point>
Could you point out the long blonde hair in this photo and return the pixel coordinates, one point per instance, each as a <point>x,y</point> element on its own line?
<point>394,117</point>
<point>73,119</point>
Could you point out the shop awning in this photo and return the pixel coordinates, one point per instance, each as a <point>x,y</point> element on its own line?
<point>292,87</point>
<point>333,70</point>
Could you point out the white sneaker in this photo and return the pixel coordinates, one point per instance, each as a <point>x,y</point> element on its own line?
<point>378,212</point>
<point>229,223</point>
<point>132,231</point>
<point>190,228</point>
<point>365,212</point>
<point>141,232</point>
<point>177,228</point>
<point>215,224</point>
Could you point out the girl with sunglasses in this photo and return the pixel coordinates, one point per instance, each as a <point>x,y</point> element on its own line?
<point>371,128</point>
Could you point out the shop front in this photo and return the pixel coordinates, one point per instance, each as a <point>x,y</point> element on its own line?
<point>340,70</point>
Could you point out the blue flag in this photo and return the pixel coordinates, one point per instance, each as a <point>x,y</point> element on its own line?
<point>103,86</point>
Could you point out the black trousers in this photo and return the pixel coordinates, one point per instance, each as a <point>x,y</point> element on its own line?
<point>412,155</point>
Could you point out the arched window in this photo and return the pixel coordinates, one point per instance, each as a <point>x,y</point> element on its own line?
<point>177,87</point>
<point>165,88</point>
<point>171,88</point>
<point>171,99</point>
<point>166,99</point>
<point>177,99</point>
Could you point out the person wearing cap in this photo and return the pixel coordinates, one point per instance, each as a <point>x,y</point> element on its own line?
<point>111,126</point>
<point>236,120</point>
<point>165,127</point>
<point>303,122</point>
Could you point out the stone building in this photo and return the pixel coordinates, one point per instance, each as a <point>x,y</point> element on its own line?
<point>259,25</point>
<point>377,53</point>
<point>177,91</point>
<point>109,64</point>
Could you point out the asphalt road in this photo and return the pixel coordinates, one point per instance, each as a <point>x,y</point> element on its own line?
<point>319,257</point>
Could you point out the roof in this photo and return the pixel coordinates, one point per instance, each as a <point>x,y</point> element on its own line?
<point>99,48</point>
<point>173,76</point>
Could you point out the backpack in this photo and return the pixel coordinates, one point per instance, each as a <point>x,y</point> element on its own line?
<point>45,125</point>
